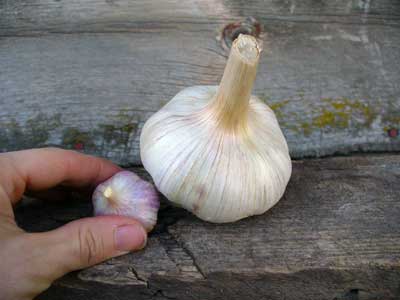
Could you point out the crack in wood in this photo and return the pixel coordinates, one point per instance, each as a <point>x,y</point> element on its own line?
<point>192,256</point>
<point>138,277</point>
<point>181,256</point>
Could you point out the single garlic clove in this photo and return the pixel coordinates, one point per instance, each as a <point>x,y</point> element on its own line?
<point>126,194</point>
<point>218,151</point>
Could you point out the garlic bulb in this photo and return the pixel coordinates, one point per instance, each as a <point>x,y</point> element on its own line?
<point>126,194</point>
<point>218,151</point>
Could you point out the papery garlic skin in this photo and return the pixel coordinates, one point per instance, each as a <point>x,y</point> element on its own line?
<point>216,150</point>
<point>126,194</point>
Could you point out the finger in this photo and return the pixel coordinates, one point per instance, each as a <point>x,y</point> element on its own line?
<point>83,243</point>
<point>6,209</point>
<point>40,169</point>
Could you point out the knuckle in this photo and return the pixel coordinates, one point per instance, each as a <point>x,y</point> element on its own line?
<point>6,161</point>
<point>91,247</point>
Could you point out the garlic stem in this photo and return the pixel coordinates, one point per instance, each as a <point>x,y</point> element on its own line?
<point>231,103</point>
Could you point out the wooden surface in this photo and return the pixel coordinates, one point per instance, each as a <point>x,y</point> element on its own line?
<point>87,74</point>
<point>334,235</point>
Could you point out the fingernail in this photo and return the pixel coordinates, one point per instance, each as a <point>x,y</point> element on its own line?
<point>130,237</point>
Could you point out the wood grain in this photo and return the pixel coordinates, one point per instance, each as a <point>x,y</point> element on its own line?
<point>334,235</point>
<point>95,91</point>
<point>86,75</point>
<point>48,16</point>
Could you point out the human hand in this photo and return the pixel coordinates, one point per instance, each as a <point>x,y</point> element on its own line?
<point>31,261</point>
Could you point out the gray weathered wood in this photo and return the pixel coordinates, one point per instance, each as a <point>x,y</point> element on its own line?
<point>38,17</point>
<point>331,94</point>
<point>334,235</point>
<point>87,74</point>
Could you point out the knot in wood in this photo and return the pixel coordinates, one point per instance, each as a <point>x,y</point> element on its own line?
<point>231,31</point>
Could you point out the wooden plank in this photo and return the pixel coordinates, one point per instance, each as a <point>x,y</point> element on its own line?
<point>37,17</point>
<point>334,235</point>
<point>334,87</point>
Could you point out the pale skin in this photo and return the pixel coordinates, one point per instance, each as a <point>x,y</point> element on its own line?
<point>30,262</point>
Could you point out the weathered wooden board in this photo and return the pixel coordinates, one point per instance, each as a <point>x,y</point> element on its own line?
<point>334,235</point>
<point>40,16</point>
<point>87,74</point>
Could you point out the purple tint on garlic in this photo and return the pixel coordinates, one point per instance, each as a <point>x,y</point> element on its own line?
<point>126,194</point>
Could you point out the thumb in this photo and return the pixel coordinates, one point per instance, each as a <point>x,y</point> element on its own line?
<point>86,242</point>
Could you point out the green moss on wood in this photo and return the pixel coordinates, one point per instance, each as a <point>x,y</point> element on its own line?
<point>75,138</point>
<point>352,107</point>
<point>340,113</point>
<point>331,114</point>
<point>108,137</point>
<point>31,133</point>
<point>41,127</point>
<point>391,121</point>
<point>306,127</point>
<point>277,107</point>
<point>118,134</point>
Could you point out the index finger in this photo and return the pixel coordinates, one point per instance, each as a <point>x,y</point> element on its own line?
<point>40,169</point>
